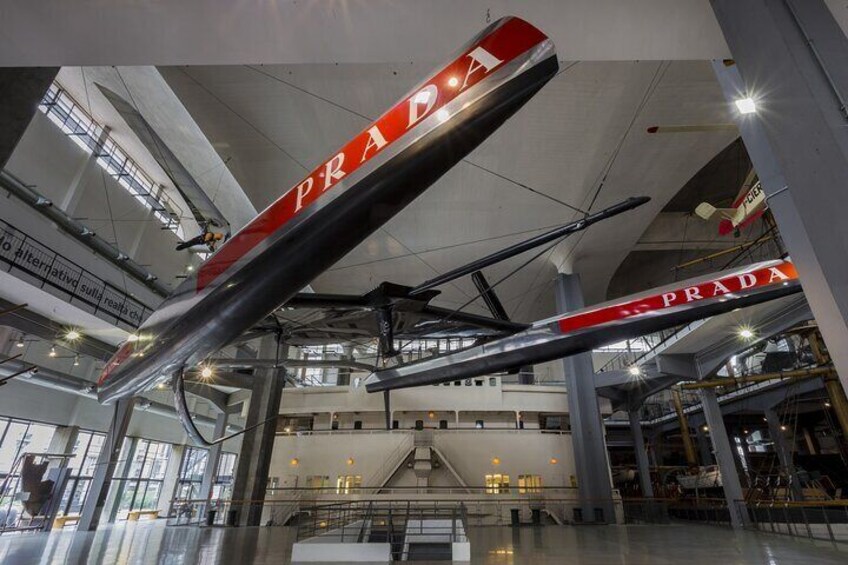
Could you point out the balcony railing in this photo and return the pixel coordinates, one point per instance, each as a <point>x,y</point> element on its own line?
<point>29,260</point>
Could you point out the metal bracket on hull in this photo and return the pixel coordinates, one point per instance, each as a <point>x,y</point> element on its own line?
<point>181,406</point>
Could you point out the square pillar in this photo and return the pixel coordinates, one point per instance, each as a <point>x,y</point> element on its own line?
<point>641,454</point>
<point>250,482</point>
<point>95,501</point>
<point>594,482</point>
<point>724,458</point>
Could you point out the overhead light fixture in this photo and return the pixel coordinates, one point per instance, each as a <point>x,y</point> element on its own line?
<point>746,333</point>
<point>745,432</point>
<point>73,335</point>
<point>634,370</point>
<point>827,404</point>
<point>206,372</point>
<point>706,428</point>
<point>294,462</point>
<point>782,428</point>
<point>350,461</point>
<point>554,461</point>
<point>189,268</point>
<point>132,338</point>
<point>19,343</point>
<point>746,105</point>
<point>431,415</point>
<point>496,461</point>
<point>453,82</point>
<point>52,351</point>
<point>76,360</point>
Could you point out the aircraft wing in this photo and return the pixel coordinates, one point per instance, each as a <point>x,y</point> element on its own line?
<point>201,206</point>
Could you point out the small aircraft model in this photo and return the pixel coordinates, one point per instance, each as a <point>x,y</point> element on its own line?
<point>749,205</point>
<point>337,206</point>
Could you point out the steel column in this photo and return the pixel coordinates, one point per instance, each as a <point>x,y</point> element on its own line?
<point>641,454</point>
<point>109,457</point>
<point>251,478</point>
<point>587,432</point>
<point>724,458</point>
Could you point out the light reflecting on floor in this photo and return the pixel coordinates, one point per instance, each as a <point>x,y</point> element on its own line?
<point>142,543</point>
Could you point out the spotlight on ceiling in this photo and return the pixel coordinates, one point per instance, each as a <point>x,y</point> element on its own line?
<point>52,352</point>
<point>206,372</point>
<point>189,268</point>
<point>73,335</point>
<point>132,338</point>
<point>746,333</point>
<point>453,82</point>
<point>634,370</point>
<point>19,343</point>
<point>746,105</point>
<point>76,360</point>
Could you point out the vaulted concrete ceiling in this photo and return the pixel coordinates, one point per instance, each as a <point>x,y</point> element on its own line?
<point>274,122</point>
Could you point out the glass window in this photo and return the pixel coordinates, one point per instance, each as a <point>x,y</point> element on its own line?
<point>345,484</point>
<point>141,487</point>
<point>86,450</point>
<point>222,487</point>
<point>192,468</point>
<point>497,484</point>
<point>529,484</point>
<point>318,481</point>
<point>16,438</point>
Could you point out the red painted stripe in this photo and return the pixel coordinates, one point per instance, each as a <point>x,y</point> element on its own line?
<point>505,43</point>
<point>685,295</point>
<point>119,357</point>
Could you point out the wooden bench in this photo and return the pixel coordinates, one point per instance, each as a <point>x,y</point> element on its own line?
<point>135,515</point>
<point>61,521</point>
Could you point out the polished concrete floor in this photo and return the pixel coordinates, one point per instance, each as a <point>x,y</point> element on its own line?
<point>655,545</point>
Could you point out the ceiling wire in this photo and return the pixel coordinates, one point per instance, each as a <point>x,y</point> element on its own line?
<point>370,119</point>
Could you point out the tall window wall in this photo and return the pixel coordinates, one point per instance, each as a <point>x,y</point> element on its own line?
<point>223,485</point>
<point>140,487</point>
<point>191,473</point>
<point>16,438</point>
<point>86,450</point>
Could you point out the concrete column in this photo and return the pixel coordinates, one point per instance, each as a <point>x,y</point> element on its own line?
<point>95,502</point>
<point>254,461</point>
<point>21,90</point>
<point>214,454</point>
<point>784,453</point>
<point>790,57</point>
<point>172,477</point>
<point>587,431</point>
<point>724,457</point>
<point>641,454</point>
<point>64,439</point>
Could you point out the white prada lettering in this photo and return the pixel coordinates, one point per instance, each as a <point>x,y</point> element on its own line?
<point>425,97</point>
<point>747,280</point>
<point>333,170</point>
<point>375,139</point>
<point>776,274</point>
<point>692,293</point>
<point>668,298</point>
<point>480,59</point>
<point>718,287</point>
<point>302,190</point>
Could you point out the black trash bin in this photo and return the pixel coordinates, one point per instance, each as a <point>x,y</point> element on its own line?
<point>232,518</point>
<point>210,517</point>
<point>514,517</point>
